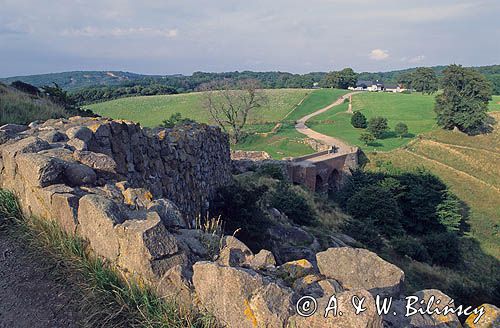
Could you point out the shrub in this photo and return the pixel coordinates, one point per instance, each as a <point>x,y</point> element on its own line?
<point>411,247</point>
<point>274,171</point>
<point>376,202</point>
<point>401,129</point>
<point>294,205</point>
<point>239,206</point>
<point>366,138</point>
<point>377,126</point>
<point>443,248</point>
<point>365,231</point>
<point>176,119</point>
<point>449,212</point>
<point>358,120</point>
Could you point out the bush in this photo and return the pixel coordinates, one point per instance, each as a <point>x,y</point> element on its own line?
<point>449,212</point>
<point>377,126</point>
<point>294,205</point>
<point>376,202</point>
<point>274,171</point>
<point>365,231</point>
<point>443,248</point>
<point>411,247</point>
<point>239,207</point>
<point>176,119</point>
<point>366,138</point>
<point>358,120</point>
<point>401,129</point>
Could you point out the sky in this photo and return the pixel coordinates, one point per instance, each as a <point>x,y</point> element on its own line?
<point>184,36</point>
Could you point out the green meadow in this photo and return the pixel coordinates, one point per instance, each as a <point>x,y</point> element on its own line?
<point>415,110</point>
<point>150,111</point>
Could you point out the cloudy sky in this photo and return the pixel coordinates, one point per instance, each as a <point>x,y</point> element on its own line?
<point>182,36</point>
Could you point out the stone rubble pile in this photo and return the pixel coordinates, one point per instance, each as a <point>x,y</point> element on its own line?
<point>133,194</point>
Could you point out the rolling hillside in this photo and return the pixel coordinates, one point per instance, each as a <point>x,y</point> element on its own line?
<point>415,110</point>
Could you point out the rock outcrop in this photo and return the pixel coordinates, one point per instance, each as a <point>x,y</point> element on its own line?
<point>133,194</point>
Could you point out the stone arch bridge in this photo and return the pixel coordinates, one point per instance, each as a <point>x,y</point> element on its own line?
<point>323,171</point>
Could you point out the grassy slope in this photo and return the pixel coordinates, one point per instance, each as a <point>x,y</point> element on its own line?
<point>415,110</point>
<point>470,166</point>
<point>152,110</point>
<point>21,108</point>
<point>495,104</point>
<point>287,141</point>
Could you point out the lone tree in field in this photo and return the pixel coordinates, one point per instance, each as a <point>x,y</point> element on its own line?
<point>358,120</point>
<point>230,102</point>
<point>377,126</point>
<point>367,138</point>
<point>401,129</point>
<point>424,80</point>
<point>464,101</point>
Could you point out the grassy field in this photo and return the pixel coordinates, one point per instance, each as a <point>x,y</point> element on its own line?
<point>470,166</point>
<point>495,104</point>
<point>152,110</point>
<point>284,105</point>
<point>415,110</point>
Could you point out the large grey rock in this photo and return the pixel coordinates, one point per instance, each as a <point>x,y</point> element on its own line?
<point>147,249</point>
<point>79,132</point>
<point>490,318</point>
<point>79,175</point>
<point>169,213</point>
<point>98,217</point>
<point>234,252</point>
<point>13,128</point>
<point>39,170</point>
<point>97,161</point>
<point>348,319</point>
<point>357,268</point>
<point>240,297</point>
<point>417,320</point>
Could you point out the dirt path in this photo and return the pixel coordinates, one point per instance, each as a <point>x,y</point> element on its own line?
<point>31,294</point>
<point>301,126</point>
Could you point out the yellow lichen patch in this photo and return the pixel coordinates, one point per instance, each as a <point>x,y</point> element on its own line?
<point>490,317</point>
<point>249,314</point>
<point>94,127</point>
<point>297,269</point>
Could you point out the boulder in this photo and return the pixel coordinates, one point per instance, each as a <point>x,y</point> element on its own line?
<point>97,161</point>
<point>240,297</point>
<point>175,285</point>
<point>348,319</point>
<point>39,170</point>
<point>490,318</point>
<point>13,128</point>
<point>53,136</point>
<point>418,320</point>
<point>357,268</point>
<point>317,286</point>
<point>78,175</point>
<point>263,259</point>
<point>169,213</point>
<point>98,217</point>
<point>234,252</point>
<point>147,249</point>
<point>296,269</point>
<point>82,133</point>
<point>137,197</point>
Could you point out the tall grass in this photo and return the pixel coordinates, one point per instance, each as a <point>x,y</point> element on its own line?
<point>21,108</point>
<point>109,300</point>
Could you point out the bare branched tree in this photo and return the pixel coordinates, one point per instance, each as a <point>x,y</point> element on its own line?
<point>230,102</point>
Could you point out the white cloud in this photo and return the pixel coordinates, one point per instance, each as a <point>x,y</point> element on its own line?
<point>379,54</point>
<point>91,31</point>
<point>416,59</point>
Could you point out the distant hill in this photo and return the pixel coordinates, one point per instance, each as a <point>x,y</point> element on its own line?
<point>78,80</point>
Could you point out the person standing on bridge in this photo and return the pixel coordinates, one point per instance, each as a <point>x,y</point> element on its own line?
<point>334,149</point>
